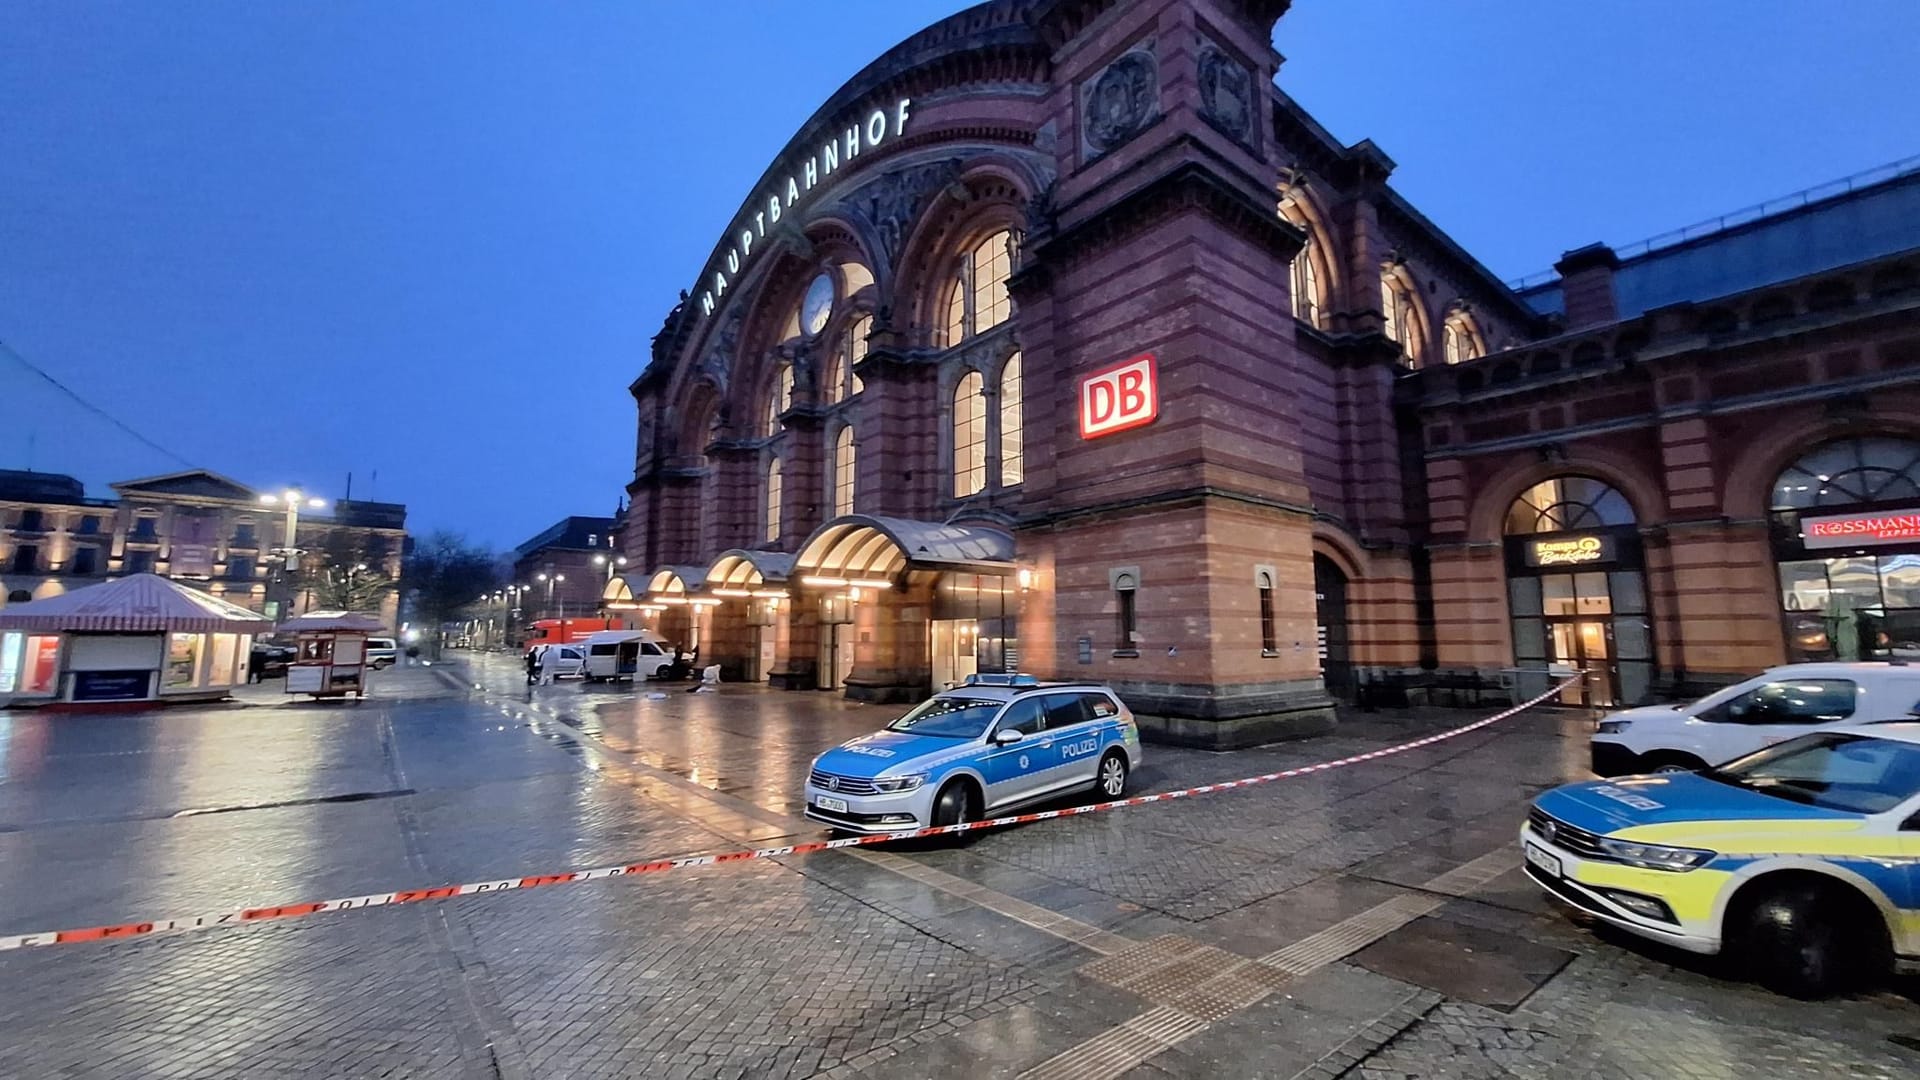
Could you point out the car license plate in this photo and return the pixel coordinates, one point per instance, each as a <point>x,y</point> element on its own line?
<point>1546,862</point>
<point>838,806</point>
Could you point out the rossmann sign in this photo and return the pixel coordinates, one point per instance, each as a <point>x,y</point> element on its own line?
<point>1120,397</point>
<point>1855,530</point>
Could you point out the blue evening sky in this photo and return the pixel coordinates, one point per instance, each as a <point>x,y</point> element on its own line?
<point>290,241</point>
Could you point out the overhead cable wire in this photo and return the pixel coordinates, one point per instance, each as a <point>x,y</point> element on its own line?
<point>9,350</point>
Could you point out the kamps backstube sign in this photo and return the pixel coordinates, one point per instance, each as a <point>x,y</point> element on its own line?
<point>1118,398</point>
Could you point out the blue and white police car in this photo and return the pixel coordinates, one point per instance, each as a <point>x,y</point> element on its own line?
<point>979,750</point>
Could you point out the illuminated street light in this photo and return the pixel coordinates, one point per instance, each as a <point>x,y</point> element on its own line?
<point>292,499</point>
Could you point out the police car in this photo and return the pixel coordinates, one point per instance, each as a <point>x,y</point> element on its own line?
<point>1800,861</point>
<point>983,748</point>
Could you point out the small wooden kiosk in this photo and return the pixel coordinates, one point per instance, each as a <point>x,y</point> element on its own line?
<point>330,653</point>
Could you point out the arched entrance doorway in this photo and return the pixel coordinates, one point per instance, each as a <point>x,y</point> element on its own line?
<point>1846,540</point>
<point>748,628</point>
<point>1330,615</point>
<point>1577,592</point>
<point>897,606</point>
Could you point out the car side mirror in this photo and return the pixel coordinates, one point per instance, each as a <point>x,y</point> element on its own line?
<point>1008,737</point>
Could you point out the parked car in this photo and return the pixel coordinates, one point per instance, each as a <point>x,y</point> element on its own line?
<point>1800,861</point>
<point>382,652</point>
<point>979,750</point>
<point>1768,708</point>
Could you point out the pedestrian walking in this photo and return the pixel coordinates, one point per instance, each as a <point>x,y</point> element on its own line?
<point>549,664</point>
<point>533,665</point>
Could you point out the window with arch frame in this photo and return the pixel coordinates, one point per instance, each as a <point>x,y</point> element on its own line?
<point>1306,286</point>
<point>1460,343</point>
<point>841,383</point>
<point>1012,424</point>
<point>978,300</point>
<point>1848,603</point>
<point>772,507</point>
<point>1567,503</point>
<point>969,424</point>
<point>1396,311</point>
<point>779,400</point>
<point>844,472</point>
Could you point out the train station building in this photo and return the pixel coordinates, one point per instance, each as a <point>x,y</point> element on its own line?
<point>1062,340</point>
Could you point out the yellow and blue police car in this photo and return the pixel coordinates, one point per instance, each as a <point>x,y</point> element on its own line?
<point>1800,861</point>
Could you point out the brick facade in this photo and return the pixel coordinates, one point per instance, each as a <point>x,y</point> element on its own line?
<point>1162,197</point>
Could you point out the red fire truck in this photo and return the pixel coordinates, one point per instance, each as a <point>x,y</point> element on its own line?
<point>565,631</point>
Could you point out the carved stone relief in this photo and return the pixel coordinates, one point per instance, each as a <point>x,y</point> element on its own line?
<point>1118,102</point>
<point>892,203</point>
<point>1226,93</point>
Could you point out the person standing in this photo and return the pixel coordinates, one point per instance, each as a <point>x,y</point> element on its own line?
<point>549,664</point>
<point>533,665</point>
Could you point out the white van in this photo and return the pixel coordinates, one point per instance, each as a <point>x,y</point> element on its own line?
<point>625,654</point>
<point>1778,704</point>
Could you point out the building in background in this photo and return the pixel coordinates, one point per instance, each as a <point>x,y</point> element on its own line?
<point>198,528</point>
<point>564,568</point>
<point>1061,338</point>
<point>1709,466</point>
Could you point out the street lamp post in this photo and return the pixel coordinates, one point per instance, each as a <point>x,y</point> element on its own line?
<point>552,580</point>
<point>612,564</point>
<point>292,499</point>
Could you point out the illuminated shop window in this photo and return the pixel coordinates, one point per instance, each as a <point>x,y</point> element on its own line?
<point>969,436</point>
<point>843,472</point>
<point>1858,597</point>
<point>773,501</point>
<point>779,400</point>
<point>1012,427</point>
<point>979,300</point>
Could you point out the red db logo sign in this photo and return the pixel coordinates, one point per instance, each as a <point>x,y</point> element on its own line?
<point>1119,398</point>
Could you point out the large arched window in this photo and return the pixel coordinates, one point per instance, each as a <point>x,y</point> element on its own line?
<point>1849,563</point>
<point>1461,341</point>
<point>779,400</point>
<point>772,507</point>
<point>1566,504</point>
<point>969,436</point>
<point>1851,471</point>
<point>1401,315</point>
<point>843,472</point>
<point>978,300</point>
<point>1306,286</point>
<point>1012,425</point>
<point>841,383</point>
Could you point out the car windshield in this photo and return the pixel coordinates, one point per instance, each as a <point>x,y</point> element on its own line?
<point>1836,770</point>
<point>949,717</point>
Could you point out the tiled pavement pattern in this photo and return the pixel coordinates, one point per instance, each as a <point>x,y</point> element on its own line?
<point>1284,931</point>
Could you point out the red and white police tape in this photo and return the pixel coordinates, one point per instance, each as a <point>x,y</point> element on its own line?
<point>410,896</point>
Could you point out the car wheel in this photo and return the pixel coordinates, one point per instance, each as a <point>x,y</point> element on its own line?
<point>954,805</point>
<point>1805,942</point>
<point>1669,761</point>
<point>1112,781</point>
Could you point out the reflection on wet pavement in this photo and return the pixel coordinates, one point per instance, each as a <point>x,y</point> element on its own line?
<point>931,961</point>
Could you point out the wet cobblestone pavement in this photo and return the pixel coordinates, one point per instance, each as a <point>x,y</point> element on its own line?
<point>1369,922</point>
